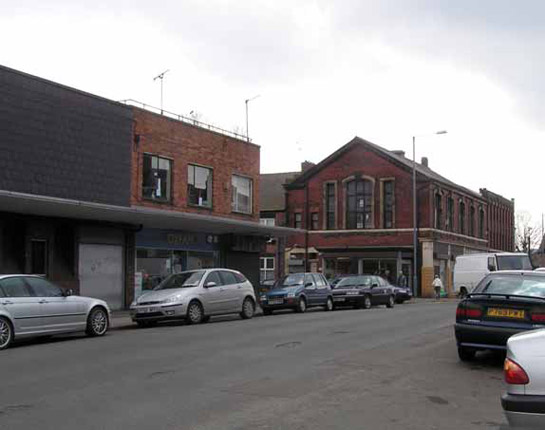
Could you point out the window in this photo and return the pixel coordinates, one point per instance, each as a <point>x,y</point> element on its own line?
<point>14,287</point>
<point>269,222</point>
<point>438,211</point>
<point>450,214</point>
<point>43,288</point>
<point>472,220</point>
<point>462,218</point>
<point>298,220</point>
<point>388,204</point>
<point>240,277</point>
<point>38,257</point>
<point>309,279</point>
<point>320,281</point>
<point>266,268</point>
<point>314,221</point>
<point>359,207</point>
<point>199,186</point>
<point>330,202</point>
<point>481,223</point>
<point>241,199</point>
<point>156,178</point>
<point>214,277</point>
<point>228,278</point>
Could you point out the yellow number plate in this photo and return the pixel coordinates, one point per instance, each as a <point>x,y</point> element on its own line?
<point>505,313</point>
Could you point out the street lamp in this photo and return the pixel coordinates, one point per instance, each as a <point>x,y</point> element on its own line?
<point>415,226</point>
<point>246,102</point>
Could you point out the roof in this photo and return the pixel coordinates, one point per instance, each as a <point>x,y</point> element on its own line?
<point>135,215</point>
<point>271,190</point>
<point>402,161</point>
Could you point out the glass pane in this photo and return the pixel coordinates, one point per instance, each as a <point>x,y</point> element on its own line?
<point>269,263</point>
<point>43,288</point>
<point>214,277</point>
<point>14,287</point>
<point>228,278</point>
<point>200,260</point>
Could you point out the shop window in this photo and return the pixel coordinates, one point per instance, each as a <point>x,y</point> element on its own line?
<point>359,204</point>
<point>241,197</point>
<point>38,257</point>
<point>269,222</point>
<point>330,202</point>
<point>314,221</point>
<point>156,178</point>
<point>266,268</point>
<point>388,204</point>
<point>298,220</point>
<point>199,186</point>
<point>462,218</point>
<point>438,211</point>
<point>450,214</point>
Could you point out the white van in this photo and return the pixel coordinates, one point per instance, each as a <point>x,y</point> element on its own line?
<point>471,268</point>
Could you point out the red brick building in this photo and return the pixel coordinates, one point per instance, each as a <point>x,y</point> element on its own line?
<point>356,208</point>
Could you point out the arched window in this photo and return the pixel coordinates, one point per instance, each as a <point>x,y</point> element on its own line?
<point>462,217</point>
<point>359,204</point>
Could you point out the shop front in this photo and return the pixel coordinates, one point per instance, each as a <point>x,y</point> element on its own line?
<point>160,253</point>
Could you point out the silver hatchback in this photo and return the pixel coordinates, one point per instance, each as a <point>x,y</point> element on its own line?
<point>30,306</point>
<point>196,295</point>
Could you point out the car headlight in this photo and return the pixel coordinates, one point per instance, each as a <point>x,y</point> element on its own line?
<point>291,295</point>
<point>172,299</point>
<point>133,304</point>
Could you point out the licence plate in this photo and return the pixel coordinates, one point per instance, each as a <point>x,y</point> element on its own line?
<point>276,301</point>
<point>506,313</point>
<point>339,299</point>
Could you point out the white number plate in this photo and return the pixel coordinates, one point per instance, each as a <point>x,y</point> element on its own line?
<point>276,301</point>
<point>146,310</point>
<point>339,299</point>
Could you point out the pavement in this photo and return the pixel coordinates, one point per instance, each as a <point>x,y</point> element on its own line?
<point>348,369</point>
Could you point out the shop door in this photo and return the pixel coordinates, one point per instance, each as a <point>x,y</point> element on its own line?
<point>101,273</point>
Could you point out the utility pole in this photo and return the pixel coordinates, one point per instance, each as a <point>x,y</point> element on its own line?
<point>161,76</point>
<point>246,102</point>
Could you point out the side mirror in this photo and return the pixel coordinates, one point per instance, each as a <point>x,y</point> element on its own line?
<point>210,284</point>
<point>308,284</point>
<point>374,285</point>
<point>68,292</point>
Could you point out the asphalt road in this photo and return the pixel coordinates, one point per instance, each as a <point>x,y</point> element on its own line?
<point>353,369</point>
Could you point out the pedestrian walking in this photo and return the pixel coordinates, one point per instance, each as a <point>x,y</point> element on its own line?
<point>437,286</point>
<point>402,280</point>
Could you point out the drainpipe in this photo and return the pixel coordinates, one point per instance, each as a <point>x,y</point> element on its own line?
<point>306,226</point>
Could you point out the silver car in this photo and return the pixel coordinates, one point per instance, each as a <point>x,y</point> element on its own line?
<point>195,296</point>
<point>32,306</point>
<point>524,371</point>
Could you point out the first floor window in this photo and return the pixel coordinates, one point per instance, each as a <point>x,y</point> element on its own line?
<point>359,205</point>
<point>388,202</point>
<point>266,271</point>
<point>462,218</point>
<point>330,202</point>
<point>241,198</point>
<point>269,222</point>
<point>298,220</point>
<point>481,223</point>
<point>199,185</point>
<point>471,220</point>
<point>450,214</point>
<point>314,221</point>
<point>438,211</point>
<point>156,178</point>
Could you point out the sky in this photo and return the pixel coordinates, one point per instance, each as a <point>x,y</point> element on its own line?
<point>324,71</point>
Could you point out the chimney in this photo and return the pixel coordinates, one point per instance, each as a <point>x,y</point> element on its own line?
<point>424,161</point>
<point>305,165</point>
<point>399,152</point>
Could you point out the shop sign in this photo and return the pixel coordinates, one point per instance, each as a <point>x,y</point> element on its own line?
<point>182,239</point>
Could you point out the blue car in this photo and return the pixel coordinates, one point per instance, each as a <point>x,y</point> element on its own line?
<point>298,291</point>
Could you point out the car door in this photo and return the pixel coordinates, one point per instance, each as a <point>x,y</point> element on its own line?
<point>214,294</point>
<point>59,312</point>
<point>23,307</point>
<point>233,291</point>
<point>384,290</point>
<point>311,291</point>
<point>322,289</point>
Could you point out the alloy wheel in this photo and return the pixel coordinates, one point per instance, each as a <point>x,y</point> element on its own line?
<point>195,313</point>
<point>248,308</point>
<point>367,302</point>
<point>5,333</point>
<point>99,322</point>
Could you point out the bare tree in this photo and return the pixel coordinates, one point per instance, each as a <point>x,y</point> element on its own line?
<point>527,233</point>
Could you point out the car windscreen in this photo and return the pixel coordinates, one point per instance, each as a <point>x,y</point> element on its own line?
<point>354,281</point>
<point>181,280</point>
<point>514,262</point>
<point>516,285</point>
<point>293,280</point>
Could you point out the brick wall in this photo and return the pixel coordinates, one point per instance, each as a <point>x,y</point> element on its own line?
<point>186,144</point>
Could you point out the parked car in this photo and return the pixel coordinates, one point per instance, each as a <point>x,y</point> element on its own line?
<point>31,306</point>
<point>266,285</point>
<point>540,269</point>
<point>402,294</point>
<point>336,280</point>
<point>470,269</point>
<point>298,291</point>
<point>502,304</point>
<point>363,291</point>
<point>524,372</point>
<point>195,296</point>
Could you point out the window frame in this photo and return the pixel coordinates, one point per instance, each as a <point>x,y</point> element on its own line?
<point>264,270</point>
<point>168,183</point>
<point>209,182</point>
<point>314,221</point>
<point>330,205</point>
<point>234,209</point>
<point>384,203</point>
<point>437,210</point>
<point>461,217</point>
<point>298,219</point>
<point>367,223</point>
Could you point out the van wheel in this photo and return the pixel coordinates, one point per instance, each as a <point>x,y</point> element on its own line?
<point>6,333</point>
<point>248,309</point>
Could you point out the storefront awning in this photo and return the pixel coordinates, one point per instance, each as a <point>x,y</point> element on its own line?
<point>39,205</point>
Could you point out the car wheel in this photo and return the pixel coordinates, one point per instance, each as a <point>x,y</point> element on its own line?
<point>267,312</point>
<point>367,302</point>
<point>391,302</point>
<point>97,322</point>
<point>329,304</point>
<point>6,333</point>
<point>466,354</point>
<point>195,313</point>
<point>248,309</point>
<point>301,305</point>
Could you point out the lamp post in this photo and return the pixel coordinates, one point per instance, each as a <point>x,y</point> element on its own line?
<point>246,102</point>
<point>161,76</point>
<point>415,226</point>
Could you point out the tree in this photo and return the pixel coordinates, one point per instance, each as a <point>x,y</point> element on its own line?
<point>527,233</point>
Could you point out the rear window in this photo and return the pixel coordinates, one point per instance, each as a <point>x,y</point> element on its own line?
<point>354,281</point>
<point>514,262</point>
<point>516,285</point>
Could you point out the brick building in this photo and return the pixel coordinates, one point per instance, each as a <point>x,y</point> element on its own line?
<point>107,199</point>
<point>501,221</point>
<point>356,209</point>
